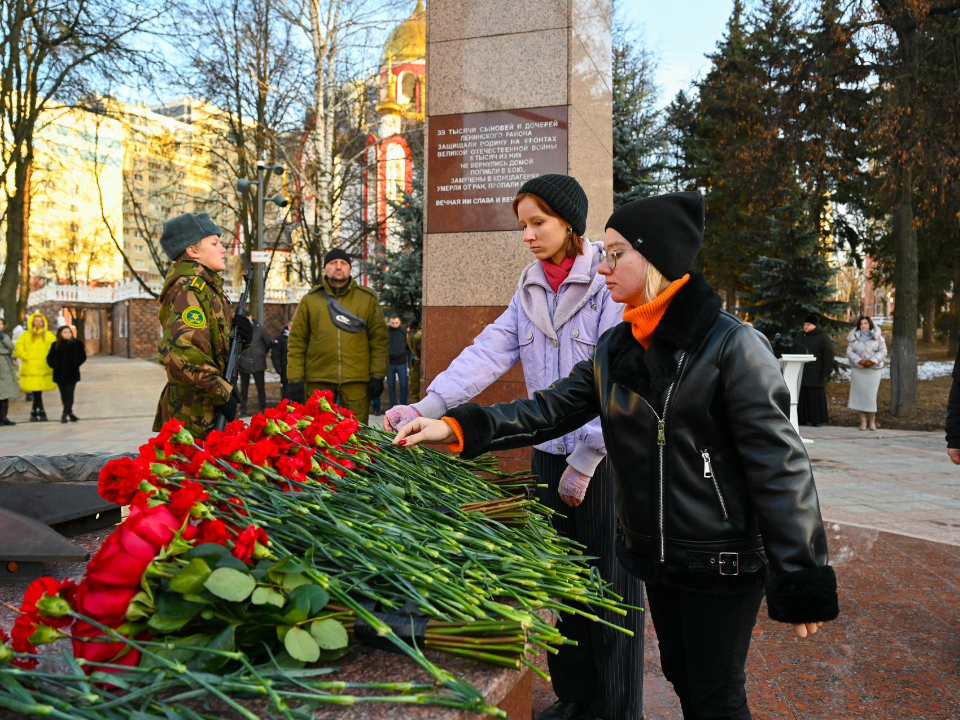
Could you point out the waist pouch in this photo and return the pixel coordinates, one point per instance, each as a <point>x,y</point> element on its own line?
<point>343,318</point>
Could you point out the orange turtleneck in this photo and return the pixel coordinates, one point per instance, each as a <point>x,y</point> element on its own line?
<point>646,317</point>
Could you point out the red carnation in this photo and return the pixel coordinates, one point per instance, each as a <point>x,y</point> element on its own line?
<point>121,477</point>
<point>246,542</point>
<point>212,531</point>
<point>23,629</point>
<point>183,500</point>
<point>47,586</point>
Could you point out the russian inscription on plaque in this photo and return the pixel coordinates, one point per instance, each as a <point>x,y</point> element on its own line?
<point>478,161</point>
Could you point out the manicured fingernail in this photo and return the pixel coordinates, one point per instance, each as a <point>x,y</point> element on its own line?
<point>401,442</point>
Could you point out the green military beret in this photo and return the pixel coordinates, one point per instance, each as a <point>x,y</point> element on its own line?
<point>185,230</point>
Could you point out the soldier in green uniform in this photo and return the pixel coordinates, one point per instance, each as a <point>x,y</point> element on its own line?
<point>195,320</point>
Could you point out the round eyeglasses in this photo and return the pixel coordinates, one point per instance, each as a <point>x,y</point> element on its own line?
<point>611,257</point>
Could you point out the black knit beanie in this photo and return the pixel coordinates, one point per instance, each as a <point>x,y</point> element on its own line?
<point>564,195</point>
<point>813,319</point>
<point>335,254</point>
<point>666,229</point>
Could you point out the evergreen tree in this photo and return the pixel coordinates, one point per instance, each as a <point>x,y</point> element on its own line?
<point>397,275</point>
<point>639,140</point>
<point>792,277</point>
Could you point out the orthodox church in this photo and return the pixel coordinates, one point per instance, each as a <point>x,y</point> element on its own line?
<point>401,87</point>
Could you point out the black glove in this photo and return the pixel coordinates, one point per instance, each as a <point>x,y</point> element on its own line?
<point>244,328</point>
<point>375,388</point>
<point>297,392</point>
<point>229,408</point>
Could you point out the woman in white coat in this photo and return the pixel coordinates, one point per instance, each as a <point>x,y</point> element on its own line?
<point>867,352</point>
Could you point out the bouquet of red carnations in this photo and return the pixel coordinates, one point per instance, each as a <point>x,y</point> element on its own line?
<point>273,545</point>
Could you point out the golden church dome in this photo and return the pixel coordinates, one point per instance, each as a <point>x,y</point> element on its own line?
<point>408,41</point>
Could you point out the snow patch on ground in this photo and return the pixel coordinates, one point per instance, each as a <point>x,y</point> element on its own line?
<point>925,371</point>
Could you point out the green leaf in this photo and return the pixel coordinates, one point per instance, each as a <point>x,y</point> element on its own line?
<point>301,645</point>
<point>165,624</point>
<point>329,634</point>
<point>282,631</point>
<point>295,580</point>
<point>176,607</point>
<point>229,561</point>
<point>267,596</point>
<point>208,662</point>
<point>317,596</point>
<point>298,609</point>
<point>191,578</point>
<point>210,553</point>
<point>230,584</point>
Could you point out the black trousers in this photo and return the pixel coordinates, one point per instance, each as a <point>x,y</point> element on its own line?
<point>66,396</point>
<point>37,401</point>
<point>605,669</point>
<point>245,387</point>
<point>704,640</point>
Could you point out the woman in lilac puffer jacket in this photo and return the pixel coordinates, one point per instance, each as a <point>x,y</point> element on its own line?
<point>560,309</point>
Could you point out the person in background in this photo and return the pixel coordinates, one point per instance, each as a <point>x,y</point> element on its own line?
<point>343,352</point>
<point>867,353</point>
<point>559,311</point>
<point>715,491</point>
<point>253,361</point>
<point>414,341</point>
<point>8,375</point>
<point>953,414</point>
<point>398,350</point>
<point>66,355</point>
<point>18,330</point>
<point>36,376</point>
<point>812,404</point>
<point>278,356</point>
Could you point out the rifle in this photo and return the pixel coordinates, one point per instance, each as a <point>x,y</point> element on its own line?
<point>233,359</point>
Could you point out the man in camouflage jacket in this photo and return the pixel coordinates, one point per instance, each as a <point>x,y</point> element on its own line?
<point>195,320</point>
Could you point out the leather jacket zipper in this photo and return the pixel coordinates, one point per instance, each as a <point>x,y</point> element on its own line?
<point>661,444</point>
<point>708,473</point>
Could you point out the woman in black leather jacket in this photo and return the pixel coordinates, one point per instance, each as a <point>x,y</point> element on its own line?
<point>715,490</point>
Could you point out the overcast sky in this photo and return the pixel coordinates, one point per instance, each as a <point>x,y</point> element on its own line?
<point>680,35</point>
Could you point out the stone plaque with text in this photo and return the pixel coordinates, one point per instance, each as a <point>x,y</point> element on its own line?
<point>477,161</point>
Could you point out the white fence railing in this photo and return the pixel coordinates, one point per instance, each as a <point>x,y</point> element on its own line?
<point>130,290</point>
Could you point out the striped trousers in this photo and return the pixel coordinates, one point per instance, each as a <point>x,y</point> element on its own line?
<point>605,669</point>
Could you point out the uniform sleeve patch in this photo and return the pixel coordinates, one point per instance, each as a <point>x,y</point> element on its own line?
<point>198,283</point>
<point>193,317</point>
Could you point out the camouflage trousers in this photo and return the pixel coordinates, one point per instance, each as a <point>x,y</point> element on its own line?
<point>352,396</point>
<point>195,410</point>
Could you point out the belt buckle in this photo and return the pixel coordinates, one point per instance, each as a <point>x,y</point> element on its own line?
<point>734,558</point>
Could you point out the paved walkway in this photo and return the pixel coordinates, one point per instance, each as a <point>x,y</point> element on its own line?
<point>891,501</point>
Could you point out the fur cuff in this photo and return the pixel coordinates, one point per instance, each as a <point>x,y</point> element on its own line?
<point>477,429</point>
<point>802,596</point>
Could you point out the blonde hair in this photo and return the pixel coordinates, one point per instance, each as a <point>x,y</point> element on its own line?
<point>655,283</point>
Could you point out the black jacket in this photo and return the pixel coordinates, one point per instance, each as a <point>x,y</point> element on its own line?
<point>66,358</point>
<point>397,338</point>
<point>818,343</point>
<point>253,359</point>
<point>953,407</point>
<point>278,354</point>
<point>724,472</point>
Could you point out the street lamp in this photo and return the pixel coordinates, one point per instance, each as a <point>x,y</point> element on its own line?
<point>243,185</point>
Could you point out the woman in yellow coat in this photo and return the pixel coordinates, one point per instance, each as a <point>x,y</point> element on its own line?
<point>36,376</point>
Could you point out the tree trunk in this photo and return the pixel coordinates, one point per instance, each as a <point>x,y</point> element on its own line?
<point>903,365</point>
<point>13,267</point>
<point>24,294</point>
<point>929,318</point>
<point>731,299</point>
